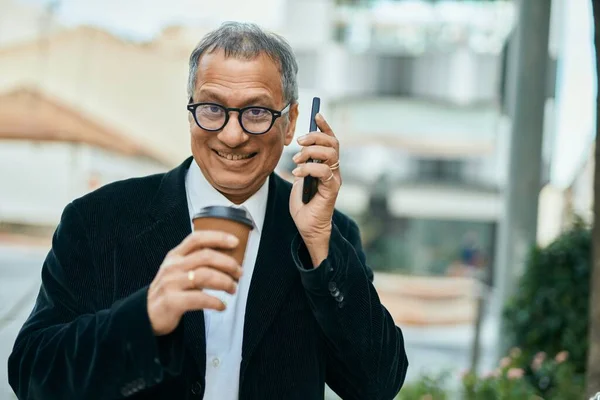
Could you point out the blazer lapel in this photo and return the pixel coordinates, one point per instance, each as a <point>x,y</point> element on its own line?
<point>274,271</point>
<point>170,224</point>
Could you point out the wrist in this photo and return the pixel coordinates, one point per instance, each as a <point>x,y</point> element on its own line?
<point>318,256</point>
<point>318,247</point>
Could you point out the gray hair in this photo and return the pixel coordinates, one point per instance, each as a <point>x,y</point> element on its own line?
<point>247,41</point>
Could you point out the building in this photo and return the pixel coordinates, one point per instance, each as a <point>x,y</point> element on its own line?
<point>51,154</point>
<point>134,88</point>
<point>23,22</point>
<point>417,112</point>
<point>79,109</point>
<point>416,108</point>
<point>414,91</point>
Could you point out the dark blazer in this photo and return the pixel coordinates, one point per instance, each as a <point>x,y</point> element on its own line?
<point>89,336</point>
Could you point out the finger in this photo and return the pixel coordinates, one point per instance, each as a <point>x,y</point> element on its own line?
<point>319,138</point>
<point>208,258</point>
<point>323,125</point>
<point>205,238</point>
<point>317,170</point>
<point>201,278</point>
<point>326,154</point>
<point>207,278</point>
<point>297,181</point>
<point>192,300</point>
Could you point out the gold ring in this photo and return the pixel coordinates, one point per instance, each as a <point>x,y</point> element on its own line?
<point>328,179</point>
<point>191,276</point>
<point>335,166</point>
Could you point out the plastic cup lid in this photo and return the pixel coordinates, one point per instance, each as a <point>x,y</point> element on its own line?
<point>232,213</point>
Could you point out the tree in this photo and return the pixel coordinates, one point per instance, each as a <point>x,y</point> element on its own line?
<point>593,365</point>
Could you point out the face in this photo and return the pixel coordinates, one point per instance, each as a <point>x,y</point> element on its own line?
<point>234,162</point>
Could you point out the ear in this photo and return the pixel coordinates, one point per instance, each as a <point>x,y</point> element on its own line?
<point>189,114</point>
<point>291,125</point>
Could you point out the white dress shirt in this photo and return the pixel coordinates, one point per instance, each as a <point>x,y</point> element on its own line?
<point>224,330</point>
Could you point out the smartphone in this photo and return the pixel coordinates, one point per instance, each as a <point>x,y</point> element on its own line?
<point>309,188</point>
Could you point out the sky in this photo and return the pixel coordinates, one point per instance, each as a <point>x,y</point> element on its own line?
<point>142,19</point>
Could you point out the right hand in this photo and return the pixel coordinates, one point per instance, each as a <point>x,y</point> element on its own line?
<point>172,293</point>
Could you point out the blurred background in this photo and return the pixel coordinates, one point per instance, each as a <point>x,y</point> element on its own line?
<point>423,96</point>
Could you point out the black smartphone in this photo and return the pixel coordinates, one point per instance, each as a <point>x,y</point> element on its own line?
<point>309,188</point>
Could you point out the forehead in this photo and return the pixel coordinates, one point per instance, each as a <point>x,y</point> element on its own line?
<point>236,79</point>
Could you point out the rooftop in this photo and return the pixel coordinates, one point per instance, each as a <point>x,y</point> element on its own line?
<point>29,114</point>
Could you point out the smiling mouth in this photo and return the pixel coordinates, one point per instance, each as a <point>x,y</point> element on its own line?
<point>234,156</point>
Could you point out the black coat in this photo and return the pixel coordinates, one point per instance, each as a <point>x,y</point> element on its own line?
<point>89,336</point>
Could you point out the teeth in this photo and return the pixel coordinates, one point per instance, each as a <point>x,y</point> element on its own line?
<point>234,157</point>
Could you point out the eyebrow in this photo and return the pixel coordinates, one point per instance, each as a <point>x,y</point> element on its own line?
<point>259,100</point>
<point>210,96</point>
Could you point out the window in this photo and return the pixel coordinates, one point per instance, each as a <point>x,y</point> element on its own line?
<point>440,170</point>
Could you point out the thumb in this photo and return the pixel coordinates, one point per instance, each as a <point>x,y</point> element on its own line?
<point>297,187</point>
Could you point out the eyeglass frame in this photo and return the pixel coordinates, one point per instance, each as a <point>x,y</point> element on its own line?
<point>274,115</point>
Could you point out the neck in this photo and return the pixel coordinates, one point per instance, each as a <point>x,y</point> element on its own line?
<point>237,199</point>
<point>240,197</point>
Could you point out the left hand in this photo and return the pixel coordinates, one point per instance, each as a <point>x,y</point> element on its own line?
<point>313,220</point>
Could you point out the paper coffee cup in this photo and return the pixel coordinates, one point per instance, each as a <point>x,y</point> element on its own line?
<point>234,221</point>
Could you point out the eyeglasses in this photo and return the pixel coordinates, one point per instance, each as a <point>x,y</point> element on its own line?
<point>213,117</point>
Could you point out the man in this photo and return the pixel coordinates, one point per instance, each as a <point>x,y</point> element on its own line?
<point>133,304</point>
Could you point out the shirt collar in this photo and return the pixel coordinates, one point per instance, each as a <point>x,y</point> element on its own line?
<point>202,194</point>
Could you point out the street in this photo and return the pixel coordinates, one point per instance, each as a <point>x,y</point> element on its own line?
<point>431,349</point>
<point>19,283</point>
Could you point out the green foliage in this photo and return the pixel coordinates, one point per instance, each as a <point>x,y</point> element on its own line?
<point>549,379</point>
<point>550,310</point>
<point>427,387</point>
<point>507,382</point>
<point>497,388</point>
<point>567,384</point>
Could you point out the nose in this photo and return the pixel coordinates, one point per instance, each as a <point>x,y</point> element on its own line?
<point>232,134</point>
